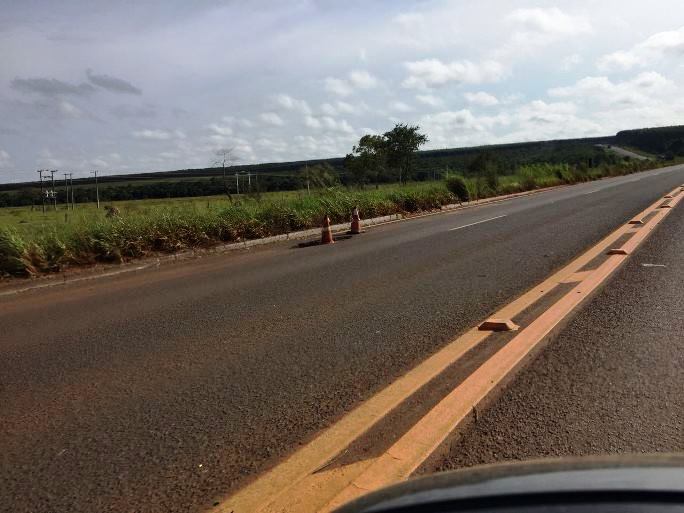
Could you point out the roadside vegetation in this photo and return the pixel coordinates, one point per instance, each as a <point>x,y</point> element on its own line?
<point>76,238</point>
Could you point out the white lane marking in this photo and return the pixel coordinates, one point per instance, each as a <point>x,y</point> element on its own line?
<point>478,222</point>
<point>592,192</point>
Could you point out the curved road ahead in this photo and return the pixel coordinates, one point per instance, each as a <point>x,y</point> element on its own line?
<point>161,390</point>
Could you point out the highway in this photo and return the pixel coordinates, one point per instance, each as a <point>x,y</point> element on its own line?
<point>610,383</point>
<point>166,389</point>
<point>623,152</point>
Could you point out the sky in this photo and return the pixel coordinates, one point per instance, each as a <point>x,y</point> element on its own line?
<point>132,86</point>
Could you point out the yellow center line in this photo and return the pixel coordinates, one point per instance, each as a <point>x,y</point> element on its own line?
<point>291,482</point>
<point>412,449</point>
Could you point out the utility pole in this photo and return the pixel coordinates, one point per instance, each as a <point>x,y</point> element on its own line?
<point>237,183</point>
<point>308,188</point>
<point>97,188</point>
<point>66,189</point>
<point>249,180</point>
<point>52,192</point>
<point>71,186</point>
<point>42,193</point>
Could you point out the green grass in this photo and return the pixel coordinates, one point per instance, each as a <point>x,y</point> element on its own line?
<point>32,242</point>
<point>28,219</point>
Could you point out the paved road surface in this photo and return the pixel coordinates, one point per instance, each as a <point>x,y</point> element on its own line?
<point>159,391</point>
<point>624,152</point>
<point>611,382</point>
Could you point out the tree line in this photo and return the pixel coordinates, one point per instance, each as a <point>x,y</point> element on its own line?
<point>393,156</point>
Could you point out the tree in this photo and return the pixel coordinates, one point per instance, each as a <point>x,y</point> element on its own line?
<point>368,158</point>
<point>401,145</point>
<point>319,175</point>
<point>485,165</point>
<point>677,147</point>
<point>225,157</point>
<point>458,187</point>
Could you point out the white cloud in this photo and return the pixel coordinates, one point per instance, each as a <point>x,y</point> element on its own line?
<point>619,60</point>
<point>643,89</point>
<point>434,73</point>
<point>329,109</point>
<point>429,99</point>
<point>157,134</point>
<point>548,21</point>
<point>221,129</point>
<point>288,102</point>
<point>341,107</point>
<point>348,108</point>
<point>338,86</point>
<point>5,159</point>
<point>570,61</point>
<point>400,106</point>
<point>271,118</point>
<point>669,42</point>
<point>538,120</point>
<point>481,98</point>
<point>340,126</point>
<point>462,47</point>
<point>312,122</point>
<point>99,163</point>
<point>535,29</point>
<point>657,47</point>
<point>272,145</point>
<point>452,120</point>
<point>328,123</point>
<point>539,111</point>
<point>362,79</point>
<point>356,79</point>
<point>69,110</point>
<point>47,159</point>
<point>458,128</point>
<point>105,161</point>
<point>409,20</point>
<point>511,98</point>
<point>323,144</point>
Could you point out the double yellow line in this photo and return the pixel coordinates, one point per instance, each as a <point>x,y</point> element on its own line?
<point>302,484</point>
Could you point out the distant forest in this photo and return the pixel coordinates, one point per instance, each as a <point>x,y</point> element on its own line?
<point>666,142</point>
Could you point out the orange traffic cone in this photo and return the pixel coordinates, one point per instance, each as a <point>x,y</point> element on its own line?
<point>356,222</point>
<point>326,232</point>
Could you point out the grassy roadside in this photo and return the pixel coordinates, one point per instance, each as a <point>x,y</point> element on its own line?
<point>168,227</point>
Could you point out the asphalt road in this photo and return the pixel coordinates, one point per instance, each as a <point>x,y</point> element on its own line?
<point>610,383</point>
<point>161,390</point>
<point>623,152</point>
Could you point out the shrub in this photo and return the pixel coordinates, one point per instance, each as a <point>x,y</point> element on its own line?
<point>528,179</point>
<point>492,180</point>
<point>457,186</point>
<point>14,255</point>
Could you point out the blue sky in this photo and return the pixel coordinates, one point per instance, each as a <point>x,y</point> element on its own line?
<point>157,85</point>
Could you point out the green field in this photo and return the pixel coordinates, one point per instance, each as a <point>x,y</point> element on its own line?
<point>28,219</point>
<point>31,219</point>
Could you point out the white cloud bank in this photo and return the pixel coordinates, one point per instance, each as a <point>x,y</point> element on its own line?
<point>468,73</point>
<point>659,46</point>
<point>430,73</point>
